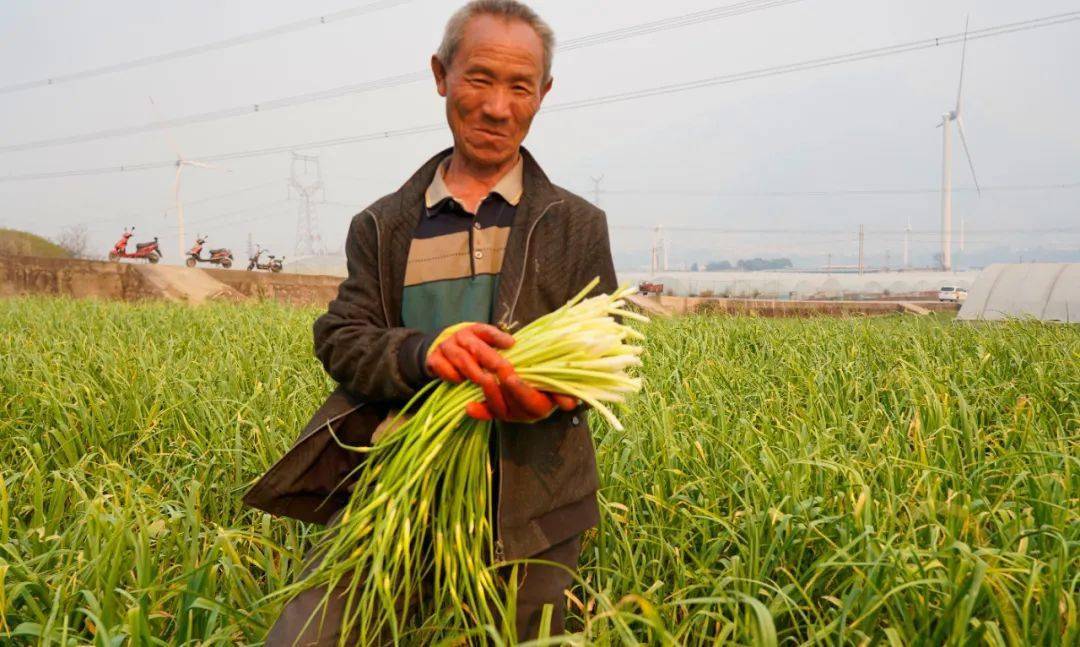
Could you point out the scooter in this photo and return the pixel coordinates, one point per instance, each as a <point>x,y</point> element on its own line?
<point>150,251</point>
<point>274,264</point>
<point>222,256</point>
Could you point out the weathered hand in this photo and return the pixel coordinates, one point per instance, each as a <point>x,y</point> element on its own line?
<point>469,351</point>
<point>514,401</point>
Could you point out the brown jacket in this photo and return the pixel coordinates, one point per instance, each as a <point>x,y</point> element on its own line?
<point>548,478</point>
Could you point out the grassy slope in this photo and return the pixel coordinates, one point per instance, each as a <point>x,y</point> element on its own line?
<point>831,480</point>
<point>26,244</point>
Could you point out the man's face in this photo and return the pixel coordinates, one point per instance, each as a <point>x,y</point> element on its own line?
<point>493,88</point>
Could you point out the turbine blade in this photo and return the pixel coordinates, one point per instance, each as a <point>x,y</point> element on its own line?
<point>967,153</point>
<point>214,167</point>
<point>963,56</point>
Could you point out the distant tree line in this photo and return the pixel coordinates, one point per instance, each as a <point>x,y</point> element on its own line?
<point>746,265</point>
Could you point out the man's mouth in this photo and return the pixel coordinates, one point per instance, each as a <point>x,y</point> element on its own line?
<point>491,133</point>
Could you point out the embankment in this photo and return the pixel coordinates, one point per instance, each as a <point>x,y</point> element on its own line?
<point>21,275</point>
<point>134,281</point>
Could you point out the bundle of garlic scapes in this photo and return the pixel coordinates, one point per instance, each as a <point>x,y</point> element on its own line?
<point>415,540</point>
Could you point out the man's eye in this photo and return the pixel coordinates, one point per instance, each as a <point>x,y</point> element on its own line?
<point>478,80</point>
<point>522,89</point>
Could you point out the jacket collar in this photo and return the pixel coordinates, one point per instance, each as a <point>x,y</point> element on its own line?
<point>509,187</point>
<point>402,212</point>
<point>538,197</point>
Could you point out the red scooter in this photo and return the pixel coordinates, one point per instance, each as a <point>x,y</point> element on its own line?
<point>222,256</point>
<point>275,264</point>
<point>150,251</point>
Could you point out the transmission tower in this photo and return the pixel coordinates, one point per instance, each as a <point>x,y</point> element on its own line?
<point>596,189</point>
<point>307,183</point>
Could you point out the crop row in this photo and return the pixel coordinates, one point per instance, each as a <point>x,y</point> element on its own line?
<point>908,480</point>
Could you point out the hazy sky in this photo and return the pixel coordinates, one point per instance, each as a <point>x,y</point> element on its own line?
<point>675,158</point>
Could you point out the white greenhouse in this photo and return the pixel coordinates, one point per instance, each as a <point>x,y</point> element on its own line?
<point>1046,291</point>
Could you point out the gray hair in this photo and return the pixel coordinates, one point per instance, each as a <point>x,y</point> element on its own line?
<point>506,9</point>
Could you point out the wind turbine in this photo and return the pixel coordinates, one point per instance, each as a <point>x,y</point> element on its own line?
<point>907,244</point>
<point>181,162</point>
<point>946,166</point>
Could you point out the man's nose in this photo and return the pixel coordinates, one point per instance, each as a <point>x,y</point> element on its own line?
<point>497,104</point>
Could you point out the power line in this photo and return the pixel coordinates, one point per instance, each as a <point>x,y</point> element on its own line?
<point>229,194</point>
<point>99,224</point>
<point>186,52</point>
<point>832,232</point>
<point>674,22</point>
<point>225,216</point>
<point>837,192</point>
<point>826,61</point>
<point>347,205</point>
<point>778,70</point>
<point>258,152</point>
<point>591,40</point>
<point>216,115</point>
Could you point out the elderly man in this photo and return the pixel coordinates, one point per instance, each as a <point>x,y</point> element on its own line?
<point>481,240</point>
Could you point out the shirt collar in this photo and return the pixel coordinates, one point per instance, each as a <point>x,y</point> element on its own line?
<point>509,187</point>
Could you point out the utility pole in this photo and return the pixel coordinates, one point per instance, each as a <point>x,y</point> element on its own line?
<point>861,240</point>
<point>658,255</point>
<point>250,246</point>
<point>596,189</point>
<point>888,255</point>
<point>308,238</point>
<point>946,197</point>
<point>828,265</point>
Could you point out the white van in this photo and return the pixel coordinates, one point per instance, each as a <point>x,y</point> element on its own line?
<point>952,293</point>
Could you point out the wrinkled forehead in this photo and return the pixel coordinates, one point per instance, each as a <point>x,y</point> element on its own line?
<point>510,45</point>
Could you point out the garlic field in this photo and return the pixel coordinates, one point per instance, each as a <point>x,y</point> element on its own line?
<point>900,481</point>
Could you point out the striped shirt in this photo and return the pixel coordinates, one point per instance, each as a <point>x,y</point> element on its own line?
<point>452,273</point>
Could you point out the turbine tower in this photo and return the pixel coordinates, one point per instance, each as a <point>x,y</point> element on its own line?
<point>946,165</point>
<point>907,245</point>
<point>181,162</point>
<point>659,253</point>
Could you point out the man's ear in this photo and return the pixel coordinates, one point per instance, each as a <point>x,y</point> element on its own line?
<point>439,70</point>
<point>544,89</point>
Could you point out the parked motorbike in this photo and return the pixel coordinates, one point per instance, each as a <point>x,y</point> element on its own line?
<point>221,256</point>
<point>274,264</point>
<point>151,251</point>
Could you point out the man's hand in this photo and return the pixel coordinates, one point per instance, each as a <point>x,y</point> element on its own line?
<point>515,401</point>
<point>469,351</point>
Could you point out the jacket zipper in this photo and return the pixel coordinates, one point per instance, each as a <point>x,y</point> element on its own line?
<point>525,266</point>
<point>500,552</point>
